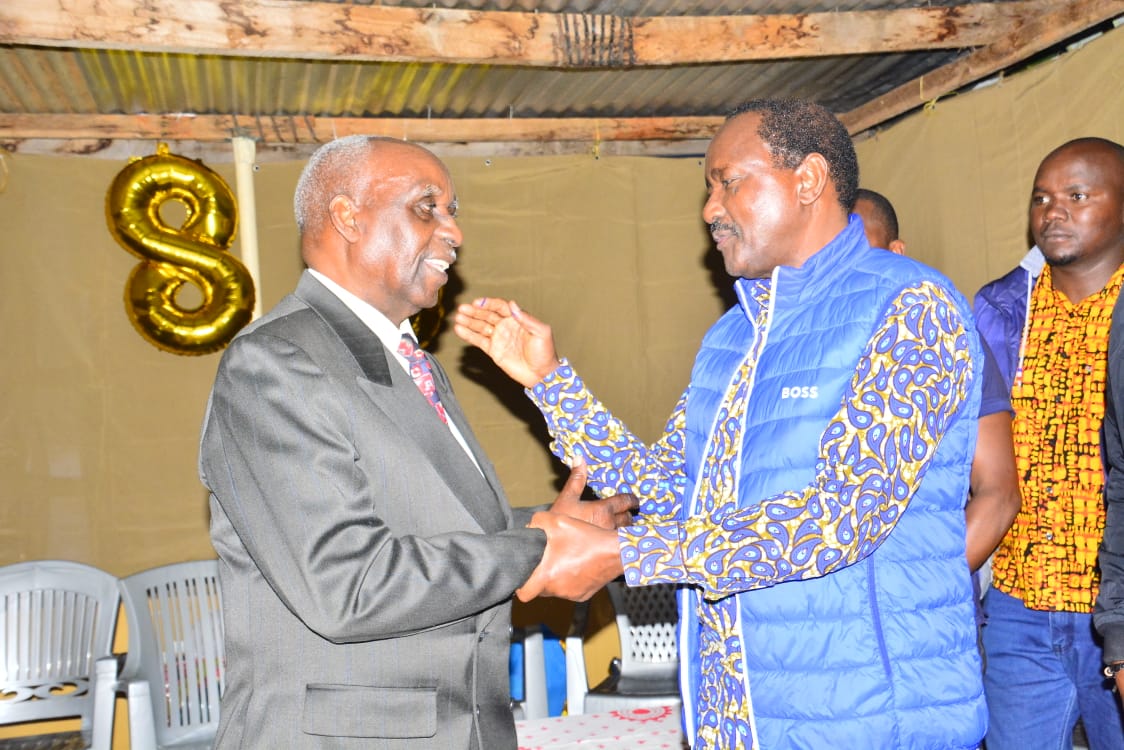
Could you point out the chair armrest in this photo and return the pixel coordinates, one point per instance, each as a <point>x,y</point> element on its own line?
<point>112,676</point>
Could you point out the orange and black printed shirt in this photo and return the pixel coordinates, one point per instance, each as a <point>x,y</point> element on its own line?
<point>1048,558</point>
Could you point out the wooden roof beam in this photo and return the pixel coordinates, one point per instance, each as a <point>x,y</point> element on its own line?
<point>1038,33</point>
<point>300,130</point>
<point>343,31</point>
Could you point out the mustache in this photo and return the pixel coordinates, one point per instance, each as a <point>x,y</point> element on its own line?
<point>717,226</point>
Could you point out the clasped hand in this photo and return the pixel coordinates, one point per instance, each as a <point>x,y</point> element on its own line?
<point>582,553</point>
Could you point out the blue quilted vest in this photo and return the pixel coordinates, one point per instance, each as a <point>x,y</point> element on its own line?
<point>881,654</point>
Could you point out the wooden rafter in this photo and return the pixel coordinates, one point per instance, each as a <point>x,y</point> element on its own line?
<point>1038,33</point>
<point>298,130</point>
<point>343,31</point>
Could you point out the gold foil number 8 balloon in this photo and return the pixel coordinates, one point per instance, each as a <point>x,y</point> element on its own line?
<point>194,253</point>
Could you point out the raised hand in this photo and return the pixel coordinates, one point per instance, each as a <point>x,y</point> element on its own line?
<point>522,345</point>
<point>579,559</point>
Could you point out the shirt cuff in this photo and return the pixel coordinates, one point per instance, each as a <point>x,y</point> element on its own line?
<point>1113,643</point>
<point>652,553</point>
<point>563,373</point>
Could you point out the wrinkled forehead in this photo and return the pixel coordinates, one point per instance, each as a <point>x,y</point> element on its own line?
<point>737,140</point>
<point>403,164</point>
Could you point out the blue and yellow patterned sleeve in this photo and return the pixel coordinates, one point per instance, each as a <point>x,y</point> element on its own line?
<point>911,379</point>
<point>618,461</point>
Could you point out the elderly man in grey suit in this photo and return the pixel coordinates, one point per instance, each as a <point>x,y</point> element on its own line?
<point>367,552</point>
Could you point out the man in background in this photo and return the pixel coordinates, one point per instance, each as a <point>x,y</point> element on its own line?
<point>1044,661</point>
<point>880,220</point>
<point>993,492</point>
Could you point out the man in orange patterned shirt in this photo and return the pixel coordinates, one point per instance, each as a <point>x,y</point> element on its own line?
<point>1043,657</point>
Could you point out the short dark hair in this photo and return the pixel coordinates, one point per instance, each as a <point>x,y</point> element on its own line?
<point>883,211</point>
<point>794,128</point>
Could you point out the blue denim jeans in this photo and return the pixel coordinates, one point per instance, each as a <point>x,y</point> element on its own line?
<point>1043,671</point>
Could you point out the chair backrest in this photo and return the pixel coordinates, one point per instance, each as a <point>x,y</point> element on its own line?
<point>57,618</point>
<point>176,645</point>
<point>646,620</point>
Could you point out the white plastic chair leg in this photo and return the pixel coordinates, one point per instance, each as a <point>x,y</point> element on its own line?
<point>534,680</point>
<point>105,695</point>
<point>577,683</point>
<point>142,732</point>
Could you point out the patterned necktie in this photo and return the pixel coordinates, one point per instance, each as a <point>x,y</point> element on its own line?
<point>420,372</point>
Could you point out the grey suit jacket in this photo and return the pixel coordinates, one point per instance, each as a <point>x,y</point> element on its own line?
<point>367,566</point>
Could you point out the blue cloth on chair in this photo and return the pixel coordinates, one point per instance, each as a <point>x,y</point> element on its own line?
<point>555,657</point>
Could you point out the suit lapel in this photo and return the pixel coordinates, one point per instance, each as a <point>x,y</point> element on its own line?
<point>392,390</point>
<point>363,344</point>
<point>453,408</point>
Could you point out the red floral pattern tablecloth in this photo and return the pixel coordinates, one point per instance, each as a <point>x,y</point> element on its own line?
<point>652,728</point>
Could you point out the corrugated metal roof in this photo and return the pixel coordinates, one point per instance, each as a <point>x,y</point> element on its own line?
<point>39,80</point>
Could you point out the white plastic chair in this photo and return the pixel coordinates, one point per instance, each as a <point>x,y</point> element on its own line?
<point>646,674</point>
<point>174,669</point>
<point>57,621</point>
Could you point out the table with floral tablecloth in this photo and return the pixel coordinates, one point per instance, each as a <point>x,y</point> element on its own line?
<point>651,728</point>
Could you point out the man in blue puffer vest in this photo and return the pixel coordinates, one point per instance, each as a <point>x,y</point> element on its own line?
<point>808,492</point>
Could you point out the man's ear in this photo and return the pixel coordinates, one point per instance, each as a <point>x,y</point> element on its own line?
<point>897,247</point>
<point>341,212</point>
<point>814,176</point>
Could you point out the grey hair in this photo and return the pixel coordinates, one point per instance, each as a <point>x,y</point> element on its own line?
<point>336,168</point>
